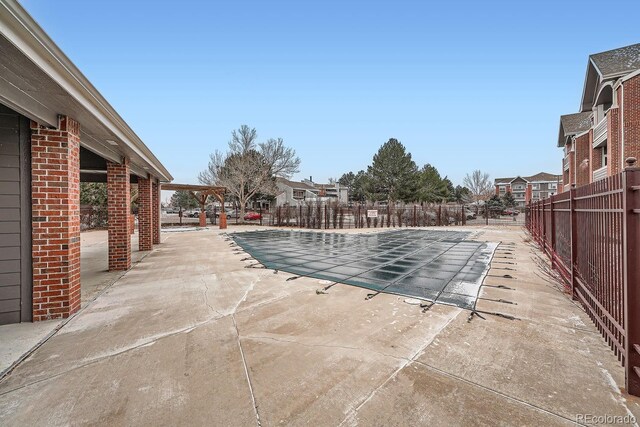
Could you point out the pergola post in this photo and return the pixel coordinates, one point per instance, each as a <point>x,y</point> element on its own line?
<point>201,193</point>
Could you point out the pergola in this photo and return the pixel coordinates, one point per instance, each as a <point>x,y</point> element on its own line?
<point>201,193</point>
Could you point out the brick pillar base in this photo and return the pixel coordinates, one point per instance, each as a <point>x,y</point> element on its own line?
<point>145,214</point>
<point>155,199</point>
<point>55,187</point>
<point>118,219</point>
<point>203,219</point>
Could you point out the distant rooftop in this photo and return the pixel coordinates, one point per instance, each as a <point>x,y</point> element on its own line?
<point>539,177</point>
<point>295,184</point>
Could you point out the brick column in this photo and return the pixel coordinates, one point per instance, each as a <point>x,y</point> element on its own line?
<point>145,214</point>
<point>631,125</point>
<point>528,193</point>
<point>55,187</point>
<point>156,212</point>
<point>118,216</point>
<point>614,151</point>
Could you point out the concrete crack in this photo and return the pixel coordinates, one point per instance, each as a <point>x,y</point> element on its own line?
<point>344,347</point>
<point>353,412</point>
<point>206,296</point>
<point>514,399</point>
<point>246,372</point>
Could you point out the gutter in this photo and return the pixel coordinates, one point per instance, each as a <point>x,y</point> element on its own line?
<point>28,37</point>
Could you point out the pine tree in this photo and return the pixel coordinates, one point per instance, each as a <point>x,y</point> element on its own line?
<point>432,188</point>
<point>393,174</point>
<point>508,200</point>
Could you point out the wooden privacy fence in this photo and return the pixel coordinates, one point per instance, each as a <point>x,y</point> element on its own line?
<point>592,236</point>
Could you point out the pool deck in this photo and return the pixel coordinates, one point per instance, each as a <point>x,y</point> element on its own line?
<point>191,336</point>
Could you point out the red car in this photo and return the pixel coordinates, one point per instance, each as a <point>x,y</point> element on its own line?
<point>252,216</point>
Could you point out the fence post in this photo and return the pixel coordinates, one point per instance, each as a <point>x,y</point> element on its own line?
<point>631,275</point>
<point>574,238</point>
<point>544,228</point>
<point>552,227</point>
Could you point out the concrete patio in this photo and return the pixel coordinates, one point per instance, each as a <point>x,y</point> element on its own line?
<point>191,336</point>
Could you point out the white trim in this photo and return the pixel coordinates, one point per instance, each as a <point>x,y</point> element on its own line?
<point>629,76</point>
<point>578,135</point>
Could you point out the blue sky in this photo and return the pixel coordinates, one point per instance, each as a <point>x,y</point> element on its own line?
<point>463,85</point>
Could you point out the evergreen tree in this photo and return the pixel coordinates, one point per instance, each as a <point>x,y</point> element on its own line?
<point>462,195</point>
<point>184,200</point>
<point>508,200</point>
<point>495,205</point>
<point>450,190</point>
<point>393,174</point>
<point>93,193</point>
<point>432,188</point>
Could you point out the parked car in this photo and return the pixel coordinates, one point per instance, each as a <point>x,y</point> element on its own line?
<point>252,216</point>
<point>470,214</point>
<point>510,212</point>
<point>231,213</point>
<point>192,214</point>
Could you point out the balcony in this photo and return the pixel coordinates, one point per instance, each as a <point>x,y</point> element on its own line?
<point>600,133</point>
<point>599,174</point>
<point>565,164</point>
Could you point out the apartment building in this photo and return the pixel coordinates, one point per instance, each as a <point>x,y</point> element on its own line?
<point>529,188</point>
<point>598,139</point>
<point>295,193</point>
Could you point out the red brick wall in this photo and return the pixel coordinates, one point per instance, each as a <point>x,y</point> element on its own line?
<point>572,166</point>
<point>528,193</point>
<point>583,147</point>
<point>119,217</point>
<point>55,186</point>
<point>156,212</point>
<point>631,125</point>
<point>596,159</point>
<point>145,214</point>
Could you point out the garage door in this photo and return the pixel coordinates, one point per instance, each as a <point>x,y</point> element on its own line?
<point>15,218</point>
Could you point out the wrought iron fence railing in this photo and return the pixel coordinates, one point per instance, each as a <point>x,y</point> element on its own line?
<point>592,236</point>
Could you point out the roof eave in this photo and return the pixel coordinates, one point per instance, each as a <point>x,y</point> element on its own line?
<point>26,35</point>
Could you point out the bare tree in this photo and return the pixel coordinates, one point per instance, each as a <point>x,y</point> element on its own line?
<point>250,168</point>
<point>479,184</point>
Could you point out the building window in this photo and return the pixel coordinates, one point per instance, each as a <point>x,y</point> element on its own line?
<point>604,156</point>
<point>553,186</point>
<point>298,194</point>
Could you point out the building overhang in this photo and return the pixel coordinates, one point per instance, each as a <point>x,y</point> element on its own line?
<point>40,82</point>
